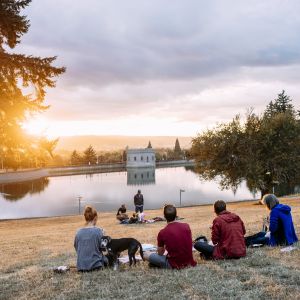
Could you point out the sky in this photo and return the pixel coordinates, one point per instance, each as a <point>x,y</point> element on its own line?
<point>162,67</point>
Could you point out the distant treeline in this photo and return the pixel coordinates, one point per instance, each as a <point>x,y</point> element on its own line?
<point>92,157</point>
<point>45,156</point>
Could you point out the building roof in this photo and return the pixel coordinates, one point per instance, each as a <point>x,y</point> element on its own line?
<point>147,150</point>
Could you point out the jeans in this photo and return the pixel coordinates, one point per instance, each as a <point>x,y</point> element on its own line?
<point>104,262</point>
<point>204,248</point>
<point>139,208</point>
<point>160,261</point>
<point>258,238</point>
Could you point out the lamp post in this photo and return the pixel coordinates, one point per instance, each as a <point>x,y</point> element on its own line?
<point>270,176</point>
<point>3,150</point>
<point>79,203</point>
<point>180,191</point>
<point>273,182</point>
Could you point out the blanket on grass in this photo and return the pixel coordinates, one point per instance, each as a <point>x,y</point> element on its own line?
<point>149,221</point>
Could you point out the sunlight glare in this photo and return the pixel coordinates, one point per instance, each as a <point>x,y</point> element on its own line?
<point>37,126</point>
<point>124,126</point>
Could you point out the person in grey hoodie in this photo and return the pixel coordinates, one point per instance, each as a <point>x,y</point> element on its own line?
<point>87,243</point>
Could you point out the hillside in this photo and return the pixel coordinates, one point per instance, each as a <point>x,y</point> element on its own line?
<point>80,143</point>
<point>30,248</point>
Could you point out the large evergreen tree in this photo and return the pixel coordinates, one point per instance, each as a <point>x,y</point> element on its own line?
<point>17,72</point>
<point>282,104</point>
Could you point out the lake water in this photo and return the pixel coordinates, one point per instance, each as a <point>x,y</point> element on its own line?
<point>57,196</point>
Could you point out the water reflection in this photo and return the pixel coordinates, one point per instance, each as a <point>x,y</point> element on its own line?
<point>140,176</point>
<point>281,189</point>
<point>190,168</point>
<point>17,191</point>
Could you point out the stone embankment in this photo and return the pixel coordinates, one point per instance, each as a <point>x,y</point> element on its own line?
<point>19,176</point>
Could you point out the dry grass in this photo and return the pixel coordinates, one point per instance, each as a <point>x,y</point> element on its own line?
<point>30,248</point>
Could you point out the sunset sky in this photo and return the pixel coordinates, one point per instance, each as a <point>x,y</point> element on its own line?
<point>140,67</point>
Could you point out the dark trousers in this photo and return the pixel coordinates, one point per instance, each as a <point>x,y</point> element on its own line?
<point>205,249</point>
<point>139,208</point>
<point>258,238</point>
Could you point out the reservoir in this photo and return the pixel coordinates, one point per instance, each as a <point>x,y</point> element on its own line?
<point>67,195</point>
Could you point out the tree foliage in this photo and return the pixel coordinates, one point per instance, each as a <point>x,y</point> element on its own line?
<point>20,73</point>
<point>177,148</point>
<point>76,158</point>
<point>283,104</point>
<point>90,156</point>
<point>263,150</point>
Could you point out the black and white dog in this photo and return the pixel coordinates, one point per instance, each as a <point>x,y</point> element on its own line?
<point>115,246</point>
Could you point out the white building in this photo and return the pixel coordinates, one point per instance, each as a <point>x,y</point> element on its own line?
<point>140,158</point>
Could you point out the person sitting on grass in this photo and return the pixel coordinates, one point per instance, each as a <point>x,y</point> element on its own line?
<point>227,235</point>
<point>134,219</point>
<point>281,227</point>
<point>87,243</point>
<point>176,239</point>
<point>121,213</point>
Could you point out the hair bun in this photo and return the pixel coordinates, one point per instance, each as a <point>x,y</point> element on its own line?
<point>89,213</point>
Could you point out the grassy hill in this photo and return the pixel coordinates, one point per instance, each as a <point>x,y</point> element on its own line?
<point>30,248</point>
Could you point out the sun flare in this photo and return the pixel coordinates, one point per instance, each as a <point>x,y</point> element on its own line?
<point>41,126</point>
<point>37,126</point>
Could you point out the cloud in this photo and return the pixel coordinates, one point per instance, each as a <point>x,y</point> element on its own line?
<point>187,60</point>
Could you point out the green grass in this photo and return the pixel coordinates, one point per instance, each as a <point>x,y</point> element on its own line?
<point>263,274</point>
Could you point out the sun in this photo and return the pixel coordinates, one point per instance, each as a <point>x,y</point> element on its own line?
<point>38,126</point>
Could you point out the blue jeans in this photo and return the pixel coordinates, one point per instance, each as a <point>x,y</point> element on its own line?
<point>258,238</point>
<point>139,208</point>
<point>160,261</point>
<point>205,249</point>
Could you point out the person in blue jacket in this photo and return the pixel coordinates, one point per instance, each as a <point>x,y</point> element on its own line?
<point>281,227</point>
<point>282,231</point>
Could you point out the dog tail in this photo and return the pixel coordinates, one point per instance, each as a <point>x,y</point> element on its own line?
<point>141,251</point>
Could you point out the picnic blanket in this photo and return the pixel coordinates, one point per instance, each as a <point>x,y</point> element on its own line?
<point>146,247</point>
<point>125,259</point>
<point>149,221</point>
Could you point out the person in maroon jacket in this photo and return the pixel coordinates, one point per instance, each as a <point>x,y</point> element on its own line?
<point>227,235</point>
<point>176,239</point>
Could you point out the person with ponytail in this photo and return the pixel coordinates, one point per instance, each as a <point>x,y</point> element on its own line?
<point>87,243</point>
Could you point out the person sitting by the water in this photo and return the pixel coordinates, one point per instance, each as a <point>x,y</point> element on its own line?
<point>88,243</point>
<point>227,235</point>
<point>281,227</point>
<point>176,239</point>
<point>134,219</point>
<point>121,213</point>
